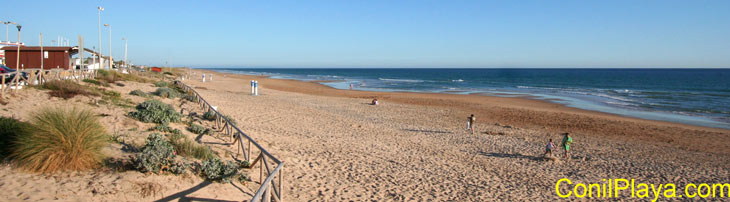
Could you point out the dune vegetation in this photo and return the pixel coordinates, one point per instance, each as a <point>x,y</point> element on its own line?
<point>61,139</point>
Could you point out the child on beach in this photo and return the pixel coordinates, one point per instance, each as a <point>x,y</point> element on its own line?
<point>567,140</point>
<point>549,148</point>
<point>375,101</point>
<point>470,123</point>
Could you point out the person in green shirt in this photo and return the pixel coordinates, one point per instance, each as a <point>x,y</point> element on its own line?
<point>567,140</point>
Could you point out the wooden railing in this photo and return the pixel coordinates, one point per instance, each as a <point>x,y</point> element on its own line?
<point>38,77</point>
<point>269,188</point>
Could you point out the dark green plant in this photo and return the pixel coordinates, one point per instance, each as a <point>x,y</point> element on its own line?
<point>10,129</point>
<point>155,111</point>
<point>245,164</point>
<point>188,97</point>
<point>161,84</point>
<point>139,93</point>
<point>165,128</point>
<point>216,170</point>
<point>209,115</point>
<point>198,129</point>
<point>231,119</point>
<point>243,178</point>
<point>179,168</point>
<point>95,82</point>
<point>61,140</point>
<point>156,156</point>
<point>167,92</point>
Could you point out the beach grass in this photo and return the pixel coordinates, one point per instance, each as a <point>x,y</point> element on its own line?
<point>67,89</point>
<point>10,129</point>
<point>61,139</point>
<point>114,76</point>
<point>186,147</point>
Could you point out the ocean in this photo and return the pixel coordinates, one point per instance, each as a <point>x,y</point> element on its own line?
<point>691,96</point>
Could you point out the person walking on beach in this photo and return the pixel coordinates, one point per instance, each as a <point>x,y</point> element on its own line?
<point>470,123</point>
<point>549,148</point>
<point>567,140</point>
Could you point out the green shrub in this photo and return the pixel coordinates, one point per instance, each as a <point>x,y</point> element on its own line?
<point>245,164</point>
<point>156,156</point>
<point>167,93</point>
<point>161,84</point>
<point>179,168</point>
<point>188,97</point>
<point>209,115</point>
<point>67,89</point>
<point>61,140</point>
<point>95,82</point>
<point>154,111</point>
<point>115,98</point>
<point>139,93</point>
<point>166,129</point>
<point>215,170</point>
<point>231,119</point>
<point>10,129</point>
<point>187,147</point>
<point>198,129</point>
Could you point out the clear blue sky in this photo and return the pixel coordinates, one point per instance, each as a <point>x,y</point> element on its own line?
<point>634,33</point>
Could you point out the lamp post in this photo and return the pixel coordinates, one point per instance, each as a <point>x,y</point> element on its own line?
<point>111,59</point>
<point>17,62</point>
<point>125,52</point>
<point>7,24</point>
<point>99,18</point>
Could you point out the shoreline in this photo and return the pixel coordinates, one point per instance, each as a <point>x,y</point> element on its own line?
<point>547,101</point>
<point>520,112</point>
<point>592,104</point>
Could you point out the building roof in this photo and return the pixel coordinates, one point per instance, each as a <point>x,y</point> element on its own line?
<point>38,48</point>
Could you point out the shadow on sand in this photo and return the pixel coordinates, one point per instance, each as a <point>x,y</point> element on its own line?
<point>182,196</point>
<point>514,156</point>
<point>428,131</point>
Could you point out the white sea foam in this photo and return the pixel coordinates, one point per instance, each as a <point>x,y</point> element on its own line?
<point>401,80</point>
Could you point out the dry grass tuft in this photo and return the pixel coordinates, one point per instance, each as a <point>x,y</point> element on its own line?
<point>147,189</point>
<point>67,89</point>
<point>61,139</point>
<point>114,76</point>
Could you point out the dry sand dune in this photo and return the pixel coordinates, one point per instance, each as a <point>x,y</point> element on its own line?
<point>412,147</point>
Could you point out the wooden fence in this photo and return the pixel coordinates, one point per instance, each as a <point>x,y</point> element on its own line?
<point>14,80</point>
<point>271,187</point>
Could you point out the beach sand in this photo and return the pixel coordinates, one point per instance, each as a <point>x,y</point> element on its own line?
<point>411,147</point>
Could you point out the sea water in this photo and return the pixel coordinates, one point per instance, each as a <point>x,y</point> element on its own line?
<point>690,96</point>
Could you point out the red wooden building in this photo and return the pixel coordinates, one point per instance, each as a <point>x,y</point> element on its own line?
<point>30,56</point>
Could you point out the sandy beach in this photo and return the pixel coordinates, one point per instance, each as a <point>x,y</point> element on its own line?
<point>411,147</point>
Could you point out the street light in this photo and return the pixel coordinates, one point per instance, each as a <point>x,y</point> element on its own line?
<point>17,63</point>
<point>6,29</point>
<point>111,59</point>
<point>125,52</point>
<point>99,18</point>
